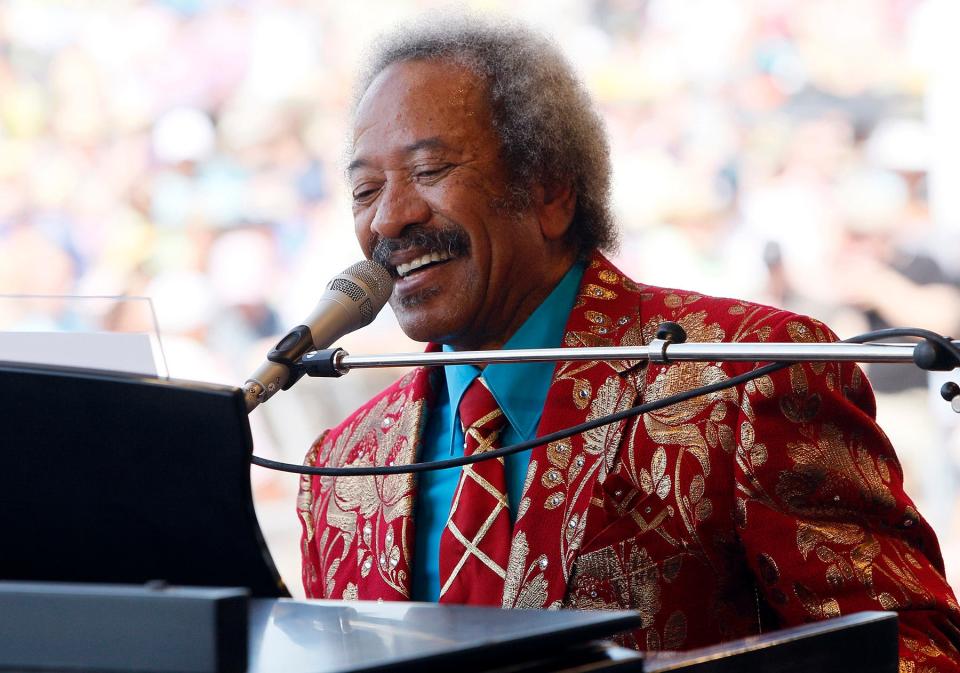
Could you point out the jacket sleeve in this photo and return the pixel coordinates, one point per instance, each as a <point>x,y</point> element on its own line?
<point>821,512</point>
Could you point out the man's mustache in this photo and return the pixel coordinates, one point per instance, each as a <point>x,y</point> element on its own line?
<point>450,240</point>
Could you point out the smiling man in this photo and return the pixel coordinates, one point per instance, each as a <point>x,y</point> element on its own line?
<point>479,175</point>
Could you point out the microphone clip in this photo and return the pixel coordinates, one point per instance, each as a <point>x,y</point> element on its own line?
<point>288,350</point>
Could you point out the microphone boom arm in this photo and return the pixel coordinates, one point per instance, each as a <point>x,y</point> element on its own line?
<point>934,352</point>
<point>930,354</point>
<point>318,363</point>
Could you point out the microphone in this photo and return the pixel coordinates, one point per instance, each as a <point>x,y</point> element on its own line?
<point>352,300</point>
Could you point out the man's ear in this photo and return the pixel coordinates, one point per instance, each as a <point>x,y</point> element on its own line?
<point>556,204</point>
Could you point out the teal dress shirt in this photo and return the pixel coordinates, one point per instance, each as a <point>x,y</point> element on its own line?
<point>521,390</point>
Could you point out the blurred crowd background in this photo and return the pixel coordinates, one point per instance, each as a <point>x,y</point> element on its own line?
<point>802,153</point>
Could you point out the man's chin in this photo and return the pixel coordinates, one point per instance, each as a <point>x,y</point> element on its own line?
<point>422,319</point>
<point>414,301</point>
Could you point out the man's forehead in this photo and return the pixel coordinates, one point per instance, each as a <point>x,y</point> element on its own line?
<point>422,104</point>
<point>454,82</point>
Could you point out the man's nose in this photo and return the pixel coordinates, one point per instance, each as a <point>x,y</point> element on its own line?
<point>399,206</point>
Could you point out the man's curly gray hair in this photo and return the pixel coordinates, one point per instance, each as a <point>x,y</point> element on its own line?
<point>548,128</point>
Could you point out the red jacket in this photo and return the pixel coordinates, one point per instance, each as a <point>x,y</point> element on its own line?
<point>763,506</point>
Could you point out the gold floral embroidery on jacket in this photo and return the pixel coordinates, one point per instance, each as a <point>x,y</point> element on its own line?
<point>379,506</point>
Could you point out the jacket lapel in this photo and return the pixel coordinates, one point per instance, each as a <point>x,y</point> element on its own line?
<point>562,476</point>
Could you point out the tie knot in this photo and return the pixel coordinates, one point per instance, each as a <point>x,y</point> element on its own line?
<point>479,410</point>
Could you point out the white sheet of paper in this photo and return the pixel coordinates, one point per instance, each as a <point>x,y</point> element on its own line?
<point>112,351</point>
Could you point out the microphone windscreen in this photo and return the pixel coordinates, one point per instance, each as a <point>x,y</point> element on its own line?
<point>367,284</point>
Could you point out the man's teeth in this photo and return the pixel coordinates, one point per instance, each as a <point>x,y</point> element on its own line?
<point>413,265</point>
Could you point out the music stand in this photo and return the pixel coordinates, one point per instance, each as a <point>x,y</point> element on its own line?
<point>119,478</point>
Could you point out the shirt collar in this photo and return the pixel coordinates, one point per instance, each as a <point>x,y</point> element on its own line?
<point>521,388</point>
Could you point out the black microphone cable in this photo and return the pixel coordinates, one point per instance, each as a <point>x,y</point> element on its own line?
<point>889,333</point>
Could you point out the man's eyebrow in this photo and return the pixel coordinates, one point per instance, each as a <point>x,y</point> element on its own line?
<point>432,143</point>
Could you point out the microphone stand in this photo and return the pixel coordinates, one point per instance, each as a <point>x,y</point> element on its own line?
<point>932,353</point>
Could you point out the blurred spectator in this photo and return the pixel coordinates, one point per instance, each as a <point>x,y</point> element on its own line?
<point>880,267</point>
<point>880,270</point>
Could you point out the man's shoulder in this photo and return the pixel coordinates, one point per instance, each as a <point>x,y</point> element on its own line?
<point>674,299</point>
<point>702,316</point>
<point>710,318</point>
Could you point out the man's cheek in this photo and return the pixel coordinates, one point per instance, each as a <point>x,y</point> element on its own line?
<point>364,234</point>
